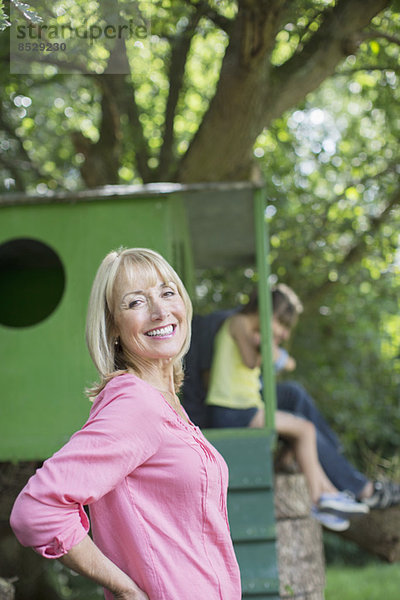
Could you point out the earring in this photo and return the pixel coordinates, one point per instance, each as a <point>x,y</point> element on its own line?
<point>116,343</point>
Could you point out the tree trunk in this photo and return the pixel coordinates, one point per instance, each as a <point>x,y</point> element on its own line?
<point>251,93</point>
<point>300,548</point>
<point>378,532</point>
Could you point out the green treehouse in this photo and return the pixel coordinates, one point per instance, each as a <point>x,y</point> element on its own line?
<point>50,249</point>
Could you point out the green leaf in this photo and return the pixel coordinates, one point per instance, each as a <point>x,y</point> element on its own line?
<point>28,12</point>
<point>4,22</point>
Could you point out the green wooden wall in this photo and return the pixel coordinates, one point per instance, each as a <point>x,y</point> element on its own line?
<point>44,366</point>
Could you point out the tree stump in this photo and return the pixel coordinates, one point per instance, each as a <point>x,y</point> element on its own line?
<point>300,546</point>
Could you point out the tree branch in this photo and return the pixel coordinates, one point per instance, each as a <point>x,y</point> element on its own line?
<point>374,34</point>
<point>356,250</point>
<point>122,93</point>
<point>219,20</point>
<point>102,159</point>
<point>375,223</point>
<point>259,21</point>
<point>180,47</point>
<point>131,109</point>
<point>238,99</point>
<point>340,34</point>
<point>250,93</point>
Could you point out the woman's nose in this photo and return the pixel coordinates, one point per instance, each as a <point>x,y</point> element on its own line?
<point>157,311</point>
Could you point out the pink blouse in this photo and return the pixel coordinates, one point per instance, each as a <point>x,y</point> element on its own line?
<point>156,490</point>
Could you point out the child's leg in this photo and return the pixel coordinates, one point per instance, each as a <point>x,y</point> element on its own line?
<point>302,434</point>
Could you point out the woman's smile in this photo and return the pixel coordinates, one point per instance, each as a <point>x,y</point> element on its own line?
<point>151,318</point>
<point>162,332</point>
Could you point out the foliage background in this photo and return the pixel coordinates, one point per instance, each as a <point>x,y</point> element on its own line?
<point>329,157</point>
<point>330,167</point>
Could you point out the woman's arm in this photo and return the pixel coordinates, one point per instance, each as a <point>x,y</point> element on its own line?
<point>86,559</point>
<point>120,434</point>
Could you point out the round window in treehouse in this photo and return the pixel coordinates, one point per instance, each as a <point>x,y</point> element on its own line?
<point>32,281</point>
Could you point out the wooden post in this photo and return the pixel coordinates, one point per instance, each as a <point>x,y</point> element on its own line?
<point>265,308</point>
<point>300,547</point>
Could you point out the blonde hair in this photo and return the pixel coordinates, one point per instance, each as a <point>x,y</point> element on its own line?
<point>109,358</point>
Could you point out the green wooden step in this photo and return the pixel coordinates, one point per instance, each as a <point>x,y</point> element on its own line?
<point>258,567</point>
<point>251,515</point>
<point>248,454</point>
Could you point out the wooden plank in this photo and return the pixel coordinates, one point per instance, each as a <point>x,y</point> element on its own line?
<point>258,567</point>
<point>252,515</point>
<point>251,507</point>
<point>248,459</point>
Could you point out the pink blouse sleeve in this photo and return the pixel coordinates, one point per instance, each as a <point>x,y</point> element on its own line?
<point>122,432</point>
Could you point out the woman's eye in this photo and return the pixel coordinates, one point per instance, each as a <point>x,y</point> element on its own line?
<point>168,293</point>
<point>133,303</point>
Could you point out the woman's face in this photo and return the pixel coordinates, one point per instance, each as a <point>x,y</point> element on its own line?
<point>150,318</point>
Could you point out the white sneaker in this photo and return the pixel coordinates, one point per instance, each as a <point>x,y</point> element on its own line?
<point>330,521</point>
<point>342,504</point>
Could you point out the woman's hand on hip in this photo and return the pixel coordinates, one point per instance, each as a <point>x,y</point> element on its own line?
<point>86,559</point>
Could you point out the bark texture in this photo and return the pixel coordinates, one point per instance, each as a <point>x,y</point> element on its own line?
<point>378,532</point>
<point>251,93</point>
<point>300,547</point>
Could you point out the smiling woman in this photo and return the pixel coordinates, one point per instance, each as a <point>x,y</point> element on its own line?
<point>138,456</point>
<point>134,288</point>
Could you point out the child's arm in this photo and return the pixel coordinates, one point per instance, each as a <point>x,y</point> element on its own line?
<point>282,360</point>
<point>247,339</point>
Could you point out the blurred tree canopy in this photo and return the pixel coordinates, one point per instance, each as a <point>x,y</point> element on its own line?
<point>207,80</point>
<point>302,94</point>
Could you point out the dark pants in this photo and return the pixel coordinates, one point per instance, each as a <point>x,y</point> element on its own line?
<point>293,398</point>
<point>231,417</point>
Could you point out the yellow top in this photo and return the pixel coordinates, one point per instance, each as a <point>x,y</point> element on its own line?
<point>232,384</point>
